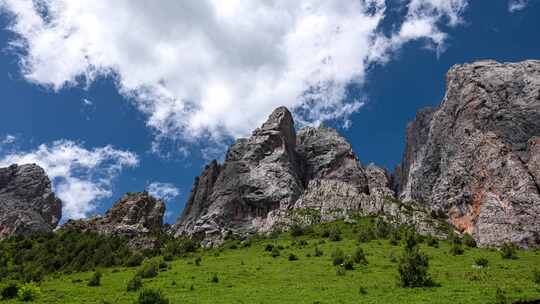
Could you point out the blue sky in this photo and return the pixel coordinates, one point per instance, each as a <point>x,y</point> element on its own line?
<point>111,121</point>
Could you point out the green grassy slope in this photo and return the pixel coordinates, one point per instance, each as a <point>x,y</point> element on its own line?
<point>251,275</point>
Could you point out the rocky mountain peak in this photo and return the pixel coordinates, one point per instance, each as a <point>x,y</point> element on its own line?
<point>475,158</point>
<point>27,203</point>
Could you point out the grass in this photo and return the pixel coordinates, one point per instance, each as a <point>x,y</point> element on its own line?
<point>252,275</point>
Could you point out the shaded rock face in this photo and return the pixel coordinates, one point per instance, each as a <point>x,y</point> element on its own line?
<point>276,172</point>
<point>138,216</point>
<point>27,203</point>
<point>476,156</point>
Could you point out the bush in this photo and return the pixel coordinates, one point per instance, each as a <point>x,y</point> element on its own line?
<point>338,257</point>
<point>394,237</point>
<point>318,252</point>
<point>135,260</point>
<point>95,280</point>
<point>456,249</point>
<point>348,263</point>
<point>500,297</point>
<point>508,251</point>
<point>536,276</point>
<point>432,241</point>
<point>9,290</point>
<point>198,261</point>
<point>359,256</point>
<point>28,292</point>
<point>134,284</point>
<point>481,262</point>
<point>214,278</point>
<point>469,241</point>
<point>150,296</point>
<point>292,257</point>
<point>366,235</point>
<point>296,230</point>
<point>148,270</point>
<point>382,228</point>
<point>334,235</point>
<point>413,265</point>
<point>275,252</point>
<point>268,247</point>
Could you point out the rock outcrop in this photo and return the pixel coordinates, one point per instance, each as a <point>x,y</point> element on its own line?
<point>27,203</point>
<point>137,216</point>
<point>476,157</point>
<point>276,177</point>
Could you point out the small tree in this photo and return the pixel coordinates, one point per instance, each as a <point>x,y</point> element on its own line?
<point>95,280</point>
<point>28,292</point>
<point>413,265</point>
<point>359,256</point>
<point>150,296</point>
<point>338,257</point>
<point>508,251</point>
<point>469,241</point>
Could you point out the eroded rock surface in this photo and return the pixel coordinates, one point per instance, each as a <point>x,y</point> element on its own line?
<point>476,156</point>
<point>138,216</point>
<point>27,203</point>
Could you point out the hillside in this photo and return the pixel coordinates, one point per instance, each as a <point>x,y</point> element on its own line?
<point>247,273</point>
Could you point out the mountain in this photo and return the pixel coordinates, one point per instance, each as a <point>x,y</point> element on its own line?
<point>476,156</point>
<point>276,178</point>
<point>27,203</point>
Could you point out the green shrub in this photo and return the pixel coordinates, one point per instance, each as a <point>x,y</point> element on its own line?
<point>95,280</point>
<point>268,247</point>
<point>536,276</point>
<point>338,257</point>
<point>382,228</point>
<point>456,249</point>
<point>334,235</point>
<point>214,278</point>
<point>292,257</point>
<point>149,269</point>
<point>481,262</point>
<point>150,296</point>
<point>198,261</point>
<point>134,284</point>
<point>348,263</point>
<point>28,292</point>
<point>413,265</point>
<point>9,290</point>
<point>135,260</point>
<point>432,241</point>
<point>500,297</point>
<point>296,230</point>
<point>366,235</point>
<point>394,237</point>
<point>508,251</point>
<point>469,241</point>
<point>275,252</point>
<point>318,252</point>
<point>362,290</point>
<point>359,256</point>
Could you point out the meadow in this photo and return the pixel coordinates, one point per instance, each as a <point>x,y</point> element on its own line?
<point>299,269</point>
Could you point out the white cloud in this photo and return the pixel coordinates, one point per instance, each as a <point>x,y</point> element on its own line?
<point>164,191</point>
<point>87,102</point>
<point>80,177</point>
<point>213,68</point>
<point>8,139</point>
<point>517,5</point>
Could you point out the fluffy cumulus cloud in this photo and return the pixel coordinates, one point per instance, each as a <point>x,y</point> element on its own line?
<point>517,5</point>
<point>213,68</point>
<point>164,191</point>
<point>80,177</point>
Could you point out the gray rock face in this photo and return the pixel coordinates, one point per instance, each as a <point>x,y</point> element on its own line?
<point>27,203</point>
<point>138,216</point>
<point>269,179</point>
<point>476,156</point>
